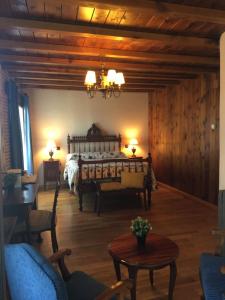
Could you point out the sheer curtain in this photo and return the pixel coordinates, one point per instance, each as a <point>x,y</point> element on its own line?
<point>26,133</point>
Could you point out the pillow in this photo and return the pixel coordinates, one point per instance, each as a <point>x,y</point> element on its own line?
<point>132,180</point>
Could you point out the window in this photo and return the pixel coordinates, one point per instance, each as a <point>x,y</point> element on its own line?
<point>24,144</point>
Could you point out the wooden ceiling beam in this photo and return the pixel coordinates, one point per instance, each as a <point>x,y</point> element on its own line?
<point>72,88</point>
<point>108,53</point>
<point>87,64</point>
<point>81,84</point>
<point>53,77</point>
<point>82,87</point>
<point>158,8</point>
<point>108,32</point>
<point>62,71</point>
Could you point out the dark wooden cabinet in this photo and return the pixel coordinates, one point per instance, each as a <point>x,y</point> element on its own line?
<point>51,171</point>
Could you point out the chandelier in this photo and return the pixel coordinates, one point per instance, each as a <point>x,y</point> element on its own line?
<point>109,85</point>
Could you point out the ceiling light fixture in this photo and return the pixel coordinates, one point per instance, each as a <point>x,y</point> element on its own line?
<point>109,85</point>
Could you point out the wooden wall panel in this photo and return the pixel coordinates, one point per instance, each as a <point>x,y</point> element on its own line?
<point>184,148</point>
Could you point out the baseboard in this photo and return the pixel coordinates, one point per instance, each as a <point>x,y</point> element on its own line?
<point>211,205</point>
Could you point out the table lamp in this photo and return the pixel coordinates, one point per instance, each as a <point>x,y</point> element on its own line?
<point>51,147</point>
<point>133,143</point>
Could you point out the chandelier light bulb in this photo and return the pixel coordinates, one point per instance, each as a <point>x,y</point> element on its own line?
<point>119,78</point>
<point>109,85</point>
<point>111,76</point>
<point>90,78</point>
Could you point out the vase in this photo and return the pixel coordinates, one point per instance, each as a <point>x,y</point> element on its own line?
<point>141,241</point>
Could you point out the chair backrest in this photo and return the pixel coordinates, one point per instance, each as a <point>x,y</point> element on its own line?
<point>30,276</point>
<point>55,202</point>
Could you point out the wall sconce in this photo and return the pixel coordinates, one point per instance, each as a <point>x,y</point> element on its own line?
<point>51,147</point>
<point>132,144</point>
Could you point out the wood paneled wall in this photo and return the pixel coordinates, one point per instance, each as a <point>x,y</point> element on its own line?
<point>184,147</point>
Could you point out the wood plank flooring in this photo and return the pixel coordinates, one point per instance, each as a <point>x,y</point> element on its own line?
<point>183,219</point>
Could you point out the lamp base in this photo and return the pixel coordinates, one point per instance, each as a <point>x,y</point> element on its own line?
<point>133,151</point>
<point>51,155</point>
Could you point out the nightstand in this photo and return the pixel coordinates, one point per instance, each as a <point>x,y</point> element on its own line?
<point>51,170</point>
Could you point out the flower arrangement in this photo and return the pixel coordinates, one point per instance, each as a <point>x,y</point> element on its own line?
<point>140,227</point>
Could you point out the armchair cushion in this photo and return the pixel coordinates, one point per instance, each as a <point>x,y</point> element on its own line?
<point>83,287</point>
<point>132,180</point>
<point>111,186</point>
<point>31,276</point>
<point>213,281</point>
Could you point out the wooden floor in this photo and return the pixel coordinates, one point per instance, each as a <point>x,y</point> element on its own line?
<point>183,219</point>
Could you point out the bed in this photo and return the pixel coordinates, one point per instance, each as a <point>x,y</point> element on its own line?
<point>97,157</point>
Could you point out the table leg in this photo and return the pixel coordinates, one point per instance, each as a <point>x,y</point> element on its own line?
<point>151,277</point>
<point>117,269</point>
<point>27,222</point>
<point>173,275</point>
<point>133,277</point>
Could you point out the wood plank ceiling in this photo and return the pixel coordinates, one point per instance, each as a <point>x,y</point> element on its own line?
<point>52,43</point>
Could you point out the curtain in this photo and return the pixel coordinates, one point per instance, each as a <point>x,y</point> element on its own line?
<point>27,133</point>
<point>15,137</point>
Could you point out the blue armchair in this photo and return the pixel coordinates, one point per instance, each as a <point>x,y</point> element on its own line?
<point>31,276</point>
<point>212,271</point>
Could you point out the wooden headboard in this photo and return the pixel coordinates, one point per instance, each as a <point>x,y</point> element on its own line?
<point>95,140</point>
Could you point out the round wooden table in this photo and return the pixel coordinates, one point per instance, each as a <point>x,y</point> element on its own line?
<point>158,253</point>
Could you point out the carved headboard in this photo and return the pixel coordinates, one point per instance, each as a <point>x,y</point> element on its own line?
<point>95,140</point>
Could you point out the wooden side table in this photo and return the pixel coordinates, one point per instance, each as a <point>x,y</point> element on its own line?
<point>51,171</point>
<point>158,253</point>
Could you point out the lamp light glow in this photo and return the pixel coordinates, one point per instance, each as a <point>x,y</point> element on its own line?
<point>133,142</point>
<point>119,78</point>
<point>111,76</point>
<point>90,78</point>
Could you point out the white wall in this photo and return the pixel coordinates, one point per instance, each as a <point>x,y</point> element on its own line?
<point>57,113</point>
<point>222,113</point>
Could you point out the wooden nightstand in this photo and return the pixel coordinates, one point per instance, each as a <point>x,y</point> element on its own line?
<point>51,170</point>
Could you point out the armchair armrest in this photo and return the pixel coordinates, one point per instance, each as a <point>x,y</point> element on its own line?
<point>219,232</point>
<point>222,270</point>
<point>120,287</point>
<point>220,235</point>
<point>58,257</point>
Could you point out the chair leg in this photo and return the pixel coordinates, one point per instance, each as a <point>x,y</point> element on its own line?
<point>81,201</point>
<point>39,238</point>
<point>55,247</point>
<point>99,203</point>
<point>96,202</point>
<point>149,198</point>
<point>145,200</point>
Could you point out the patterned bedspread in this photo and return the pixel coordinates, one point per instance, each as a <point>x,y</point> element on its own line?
<point>101,170</point>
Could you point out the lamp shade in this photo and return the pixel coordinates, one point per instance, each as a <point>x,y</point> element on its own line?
<point>119,78</point>
<point>51,146</point>
<point>90,78</point>
<point>111,76</point>
<point>133,142</point>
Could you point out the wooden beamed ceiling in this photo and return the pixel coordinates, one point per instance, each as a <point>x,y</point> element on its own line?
<point>52,43</point>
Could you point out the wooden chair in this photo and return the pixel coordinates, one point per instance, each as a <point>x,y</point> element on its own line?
<point>42,220</point>
<point>31,276</point>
